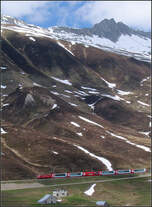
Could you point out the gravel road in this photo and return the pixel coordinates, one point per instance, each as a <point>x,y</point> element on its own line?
<point>13,186</point>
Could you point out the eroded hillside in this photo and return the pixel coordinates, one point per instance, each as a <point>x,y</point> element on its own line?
<point>68,107</point>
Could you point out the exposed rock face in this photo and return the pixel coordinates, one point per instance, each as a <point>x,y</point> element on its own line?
<point>29,100</point>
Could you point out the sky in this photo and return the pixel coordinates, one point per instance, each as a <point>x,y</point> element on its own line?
<point>80,14</point>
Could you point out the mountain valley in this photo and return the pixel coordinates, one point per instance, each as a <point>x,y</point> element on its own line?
<point>70,101</point>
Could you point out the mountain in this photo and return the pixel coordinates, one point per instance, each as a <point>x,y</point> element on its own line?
<point>106,35</point>
<point>69,105</point>
<point>108,29</point>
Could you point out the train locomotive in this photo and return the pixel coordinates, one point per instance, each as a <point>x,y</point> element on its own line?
<point>93,173</point>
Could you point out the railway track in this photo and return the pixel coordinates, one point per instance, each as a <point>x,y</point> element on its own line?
<point>11,185</point>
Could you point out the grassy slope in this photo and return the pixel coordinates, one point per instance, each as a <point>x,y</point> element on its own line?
<point>120,192</point>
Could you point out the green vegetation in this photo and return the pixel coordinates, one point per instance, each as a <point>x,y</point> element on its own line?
<point>120,192</point>
<point>77,199</point>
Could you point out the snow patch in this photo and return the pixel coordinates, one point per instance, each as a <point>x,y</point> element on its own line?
<point>31,38</point>
<point>73,43</point>
<point>3,131</point>
<point>65,95</point>
<point>22,73</point>
<point>145,133</point>
<point>124,93</point>
<point>116,98</point>
<point>110,85</point>
<point>80,134</point>
<point>114,135</point>
<point>91,106</point>
<point>54,106</point>
<point>59,43</point>
<point>54,152</point>
<point>72,104</point>
<point>36,84</point>
<point>75,124</point>
<point>55,93</point>
<point>145,79</point>
<point>20,86</point>
<point>3,87</point>
<point>90,191</point>
<point>67,91</point>
<point>89,121</point>
<point>86,88</point>
<point>4,105</point>
<point>93,92</point>
<point>3,68</point>
<point>142,103</point>
<point>101,159</point>
<point>81,93</point>
<point>62,81</point>
<point>147,149</point>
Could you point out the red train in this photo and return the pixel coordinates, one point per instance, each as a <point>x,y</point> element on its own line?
<point>97,173</point>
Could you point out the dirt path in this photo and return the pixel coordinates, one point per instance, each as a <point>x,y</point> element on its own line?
<point>14,186</point>
<point>21,157</point>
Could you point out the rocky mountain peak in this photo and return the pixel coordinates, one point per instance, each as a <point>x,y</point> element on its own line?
<point>108,28</point>
<point>107,21</point>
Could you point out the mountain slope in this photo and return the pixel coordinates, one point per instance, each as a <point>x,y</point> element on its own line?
<point>68,107</point>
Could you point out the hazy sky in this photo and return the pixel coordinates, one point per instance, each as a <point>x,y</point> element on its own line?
<point>78,14</point>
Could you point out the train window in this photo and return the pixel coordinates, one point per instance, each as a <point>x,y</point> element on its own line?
<point>108,172</point>
<point>141,170</point>
<point>123,171</point>
<point>76,174</point>
<point>60,175</point>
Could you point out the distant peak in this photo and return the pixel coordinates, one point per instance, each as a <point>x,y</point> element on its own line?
<point>107,21</point>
